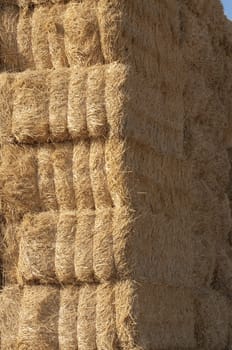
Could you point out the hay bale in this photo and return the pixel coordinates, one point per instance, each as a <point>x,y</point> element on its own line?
<point>9,254</point>
<point>38,322</point>
<point>6,107</point>
<point>95,103</point>
<point>18,184</point>
<point>110,15</point>
<point>116,78</point>
<point>97,164</point>
<point>212,321</point>
<point>159,248</point>
<point>103,254</point>
<point>204,247</point>
<point>67,328</point>
<point>122,228</point>
<point>224,271</point>
<point>39,37</point>
<point>106,334</point>
<point>46,184</point>
<point>30,120</point>
<point>65,246</point>
<point>77,125</point>
<point>8,38</point>
<point>9,316</point>
<point>142,323</point>
<point>83,258</point>
<point>63,176</point>
<point>81,175</point>
<point>58,104</point>
<point>82,40</point>
<point>55,32</point>
<point>24,40</point>
<point>37,248</point>
<point>117,172</point>
<point>86,327</point>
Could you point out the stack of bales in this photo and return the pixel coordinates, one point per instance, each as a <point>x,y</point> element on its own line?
<point>114,175</point>
<point>208,115</point>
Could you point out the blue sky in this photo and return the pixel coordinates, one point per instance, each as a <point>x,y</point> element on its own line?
<point>228,8</point>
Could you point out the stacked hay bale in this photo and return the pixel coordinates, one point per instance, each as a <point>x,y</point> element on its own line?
<point>114,174</point>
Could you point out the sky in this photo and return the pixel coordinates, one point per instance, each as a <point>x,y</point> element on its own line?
<point>228,8</point>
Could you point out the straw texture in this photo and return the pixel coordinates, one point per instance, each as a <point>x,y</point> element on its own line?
<point>115,175</point>
<point>100,316</point>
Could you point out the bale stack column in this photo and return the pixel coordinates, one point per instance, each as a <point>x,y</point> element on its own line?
<point>114,175</point>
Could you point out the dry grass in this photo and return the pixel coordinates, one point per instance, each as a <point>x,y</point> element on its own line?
<point>103,316</point>
<point>114,175</point>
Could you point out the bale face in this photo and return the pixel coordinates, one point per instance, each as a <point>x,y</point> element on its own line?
<point>38,321</point>
<point>30,109</point>
<point>82,39</point>
<point>10,300</point>
<point>19,189</point>
<point>212,320</point>
<point>67,328</point>
<point>8,39</point>
<point>37,248</point>
<point>24,39</point>
<point>55,33</point>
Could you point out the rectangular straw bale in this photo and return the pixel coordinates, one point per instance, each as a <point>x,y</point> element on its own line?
<point>82,39</point>
<point>37,248</point>
<point>103,254</point>
<point>39,37</point>
<point>24,40</point>
<point>9,316</point>
<point>18,184</point>
<point>58,104</point>
<point>116,92</point>
<point>150,316</point>
<point>8,38</point>
<point>62,159</point>
<point>160,248</point>
<point>109,15</point>
<point>157,121</point>
<point>97,164</point>
<point>86,326</point>
<point>38,322</point>
<point>95,104</point>
<point>6,107</point>
<point>212,321</point>
<point>46,183</point>
<point>145,192</point>
<point>163,169</point>
<point>77,124</point>
<point>116,171</point>
<point>83,258</point>
<point>65,246</point>
<point>81,175</point>
<point>122,41</point>
<point>106,317</point>
<point>9,253</point>
<point>224,271</point>
<point>122,229</point>
<point>55,32</point>
<point>30,120</point>
<point>204,247</point>
<point>67,328</point>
